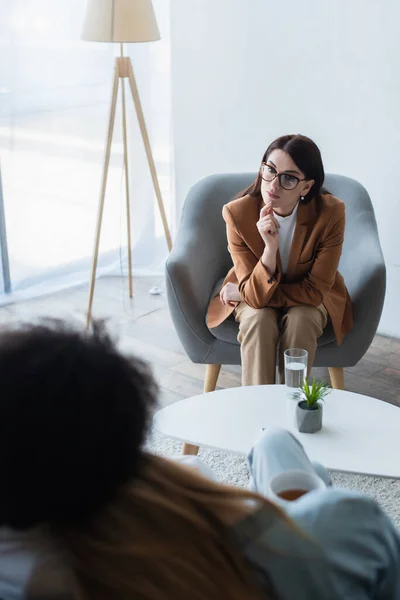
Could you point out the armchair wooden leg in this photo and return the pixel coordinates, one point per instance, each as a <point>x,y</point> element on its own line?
<point>210,382</point>
<point>211,378</point>
<point>337,377</point>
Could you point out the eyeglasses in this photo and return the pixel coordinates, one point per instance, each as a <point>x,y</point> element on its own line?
<point>286,181</point>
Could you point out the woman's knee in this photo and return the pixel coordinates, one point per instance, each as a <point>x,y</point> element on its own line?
<point>259,319</point>
<point>305,318</point>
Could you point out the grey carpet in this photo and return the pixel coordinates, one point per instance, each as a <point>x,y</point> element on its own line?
<point>232,469</point>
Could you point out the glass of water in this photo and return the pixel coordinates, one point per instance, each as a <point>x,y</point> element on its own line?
<point>296,361</point>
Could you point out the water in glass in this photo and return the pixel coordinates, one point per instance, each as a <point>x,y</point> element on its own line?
<point>295,374</point>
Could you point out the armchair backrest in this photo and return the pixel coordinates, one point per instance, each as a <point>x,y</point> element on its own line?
<point>200,258</point>
<point>202,217</point>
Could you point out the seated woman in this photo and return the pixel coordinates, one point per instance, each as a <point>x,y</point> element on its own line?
<point>86,512</point>
<point>285,236</point>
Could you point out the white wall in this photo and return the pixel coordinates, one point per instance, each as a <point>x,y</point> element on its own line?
<point>246,71</point>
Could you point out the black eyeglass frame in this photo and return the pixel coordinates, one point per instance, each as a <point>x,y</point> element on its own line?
<point>280,176</point>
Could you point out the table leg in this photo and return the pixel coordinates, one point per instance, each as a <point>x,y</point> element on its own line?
<point>210,383</point>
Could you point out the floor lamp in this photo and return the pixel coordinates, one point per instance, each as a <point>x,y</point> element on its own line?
<point>122,21</point>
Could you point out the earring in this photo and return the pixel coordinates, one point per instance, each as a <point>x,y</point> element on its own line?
<point>302,198</point>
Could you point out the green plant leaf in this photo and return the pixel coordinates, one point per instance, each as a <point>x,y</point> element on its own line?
<point>315,393</point>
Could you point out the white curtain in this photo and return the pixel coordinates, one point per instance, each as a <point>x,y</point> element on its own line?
<point>54,101</point>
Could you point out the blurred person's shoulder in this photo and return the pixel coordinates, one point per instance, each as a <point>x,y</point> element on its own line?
<point>335,544</point>
<point>30,568</point>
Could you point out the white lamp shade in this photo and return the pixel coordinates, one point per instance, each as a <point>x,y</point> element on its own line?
<point>120,21</point>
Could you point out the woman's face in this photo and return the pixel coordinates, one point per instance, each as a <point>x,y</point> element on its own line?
<point>279,162</point>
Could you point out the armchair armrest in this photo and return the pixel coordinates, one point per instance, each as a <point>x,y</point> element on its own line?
<point>199,258</point>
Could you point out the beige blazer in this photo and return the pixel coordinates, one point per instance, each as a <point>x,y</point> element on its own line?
<point>312,277</point>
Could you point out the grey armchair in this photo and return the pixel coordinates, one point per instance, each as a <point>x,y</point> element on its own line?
<point>199,261</point>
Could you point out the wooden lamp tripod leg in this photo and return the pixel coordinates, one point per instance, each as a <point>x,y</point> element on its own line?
<point>103,191</point>
<point>146,141</point>
<point>128,212</point>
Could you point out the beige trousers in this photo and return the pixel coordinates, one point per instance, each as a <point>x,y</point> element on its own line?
<point>260,331</point>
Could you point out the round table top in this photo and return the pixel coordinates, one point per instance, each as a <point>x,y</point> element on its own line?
<point>359,434</point>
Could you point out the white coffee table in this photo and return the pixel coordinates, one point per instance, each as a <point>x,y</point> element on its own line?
<point>359,434</point>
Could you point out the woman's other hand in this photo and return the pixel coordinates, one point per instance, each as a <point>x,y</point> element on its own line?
<point>229,294</point>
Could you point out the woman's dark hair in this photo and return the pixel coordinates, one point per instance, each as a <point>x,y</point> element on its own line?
<point>73,415</point>
<point>307,156</point>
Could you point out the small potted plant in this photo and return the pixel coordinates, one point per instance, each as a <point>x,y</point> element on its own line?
<point>309,407</point>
